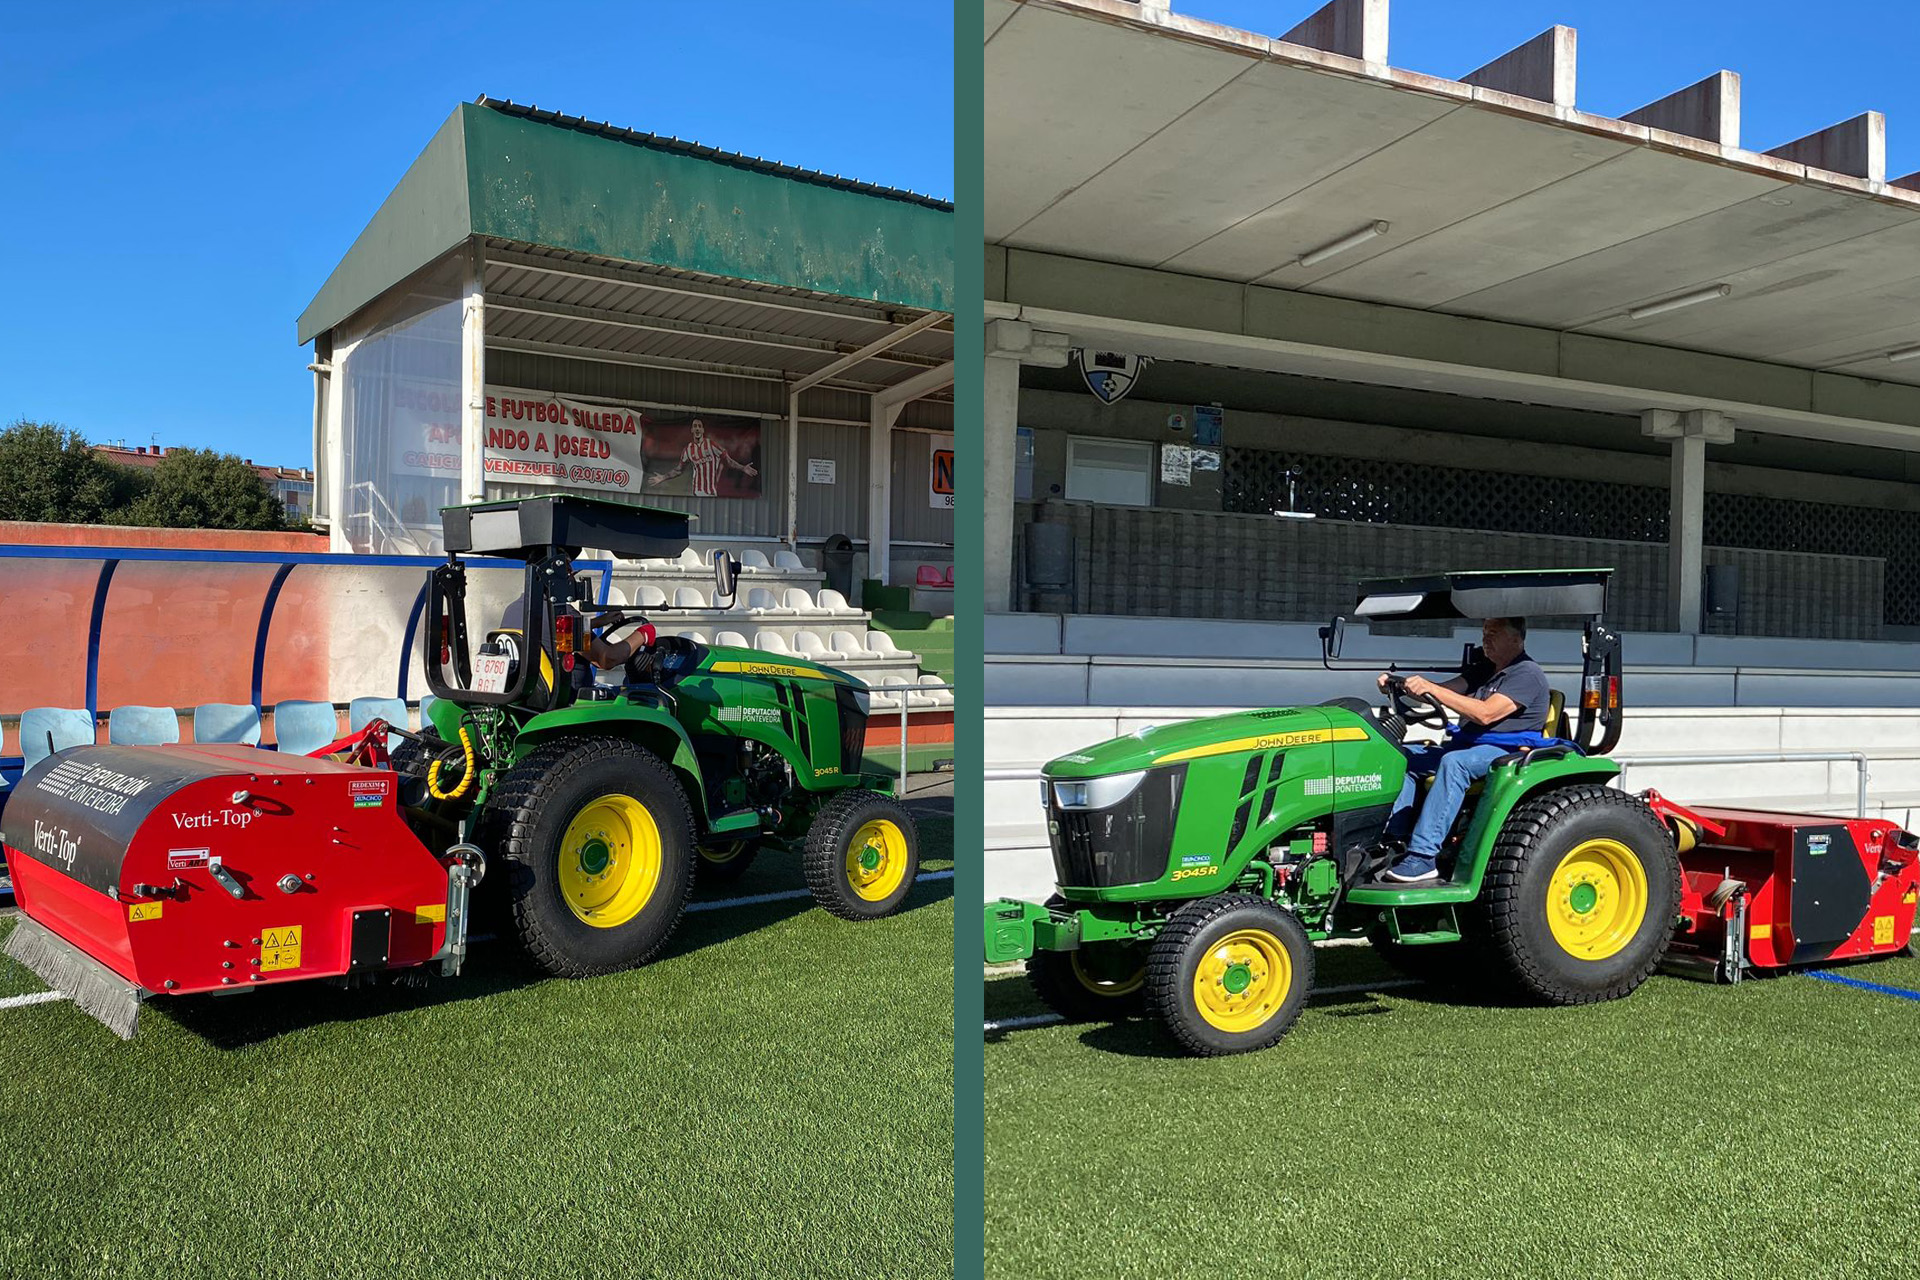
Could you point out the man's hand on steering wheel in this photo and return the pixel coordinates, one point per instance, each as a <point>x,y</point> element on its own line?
<point>1413,700</point>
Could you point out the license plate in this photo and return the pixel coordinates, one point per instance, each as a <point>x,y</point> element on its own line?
<point>490,673</point>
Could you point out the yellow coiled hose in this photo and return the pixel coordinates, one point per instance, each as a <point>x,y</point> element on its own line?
<point>466,778</point>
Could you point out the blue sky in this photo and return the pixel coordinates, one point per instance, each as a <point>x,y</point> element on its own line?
<point>1802,66</point>
<point>179,178</point>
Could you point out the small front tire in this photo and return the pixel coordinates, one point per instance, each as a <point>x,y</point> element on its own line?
<point>725,863</point>
<point>1229,974</point>
<point>1096,982</point>
<point>862,855</point>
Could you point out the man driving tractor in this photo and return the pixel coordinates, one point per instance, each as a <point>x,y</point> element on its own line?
<point>1502,694</point>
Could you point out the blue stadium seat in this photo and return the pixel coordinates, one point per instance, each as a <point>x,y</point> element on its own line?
<point>66,726</point>
<point>142,726</point>
<point>227,722</point>
<point>303,727</point>
<point>361,710</point>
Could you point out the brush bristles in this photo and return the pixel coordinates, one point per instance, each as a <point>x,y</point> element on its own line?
<point>96,989</point>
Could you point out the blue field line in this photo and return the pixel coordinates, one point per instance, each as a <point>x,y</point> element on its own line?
<point>1864,985</point>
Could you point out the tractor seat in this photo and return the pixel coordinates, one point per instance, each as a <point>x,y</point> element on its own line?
<point>1556,726</point>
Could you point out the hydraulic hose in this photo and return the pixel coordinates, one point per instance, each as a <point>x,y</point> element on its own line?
<point>466,778</point>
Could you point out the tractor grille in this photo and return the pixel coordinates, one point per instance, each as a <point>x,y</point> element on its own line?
<point>1125,843</point>
<point>853,729</point>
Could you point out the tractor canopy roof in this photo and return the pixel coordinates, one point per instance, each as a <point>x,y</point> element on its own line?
<point>1496,593</point>
<point>522,528</point>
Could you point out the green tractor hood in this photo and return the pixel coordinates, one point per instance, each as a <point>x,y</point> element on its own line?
<point>1239,731</point>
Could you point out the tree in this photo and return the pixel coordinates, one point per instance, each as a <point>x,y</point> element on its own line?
<point>48,472</point>
<point>201,489</point>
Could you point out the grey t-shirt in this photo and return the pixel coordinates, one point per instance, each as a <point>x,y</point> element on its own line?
<point>1521,680</point>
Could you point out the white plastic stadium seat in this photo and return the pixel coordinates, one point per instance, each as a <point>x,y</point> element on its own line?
<point>655,562</point>
<point>886,697</point>
<point>691,559</point>
<point>848,643</point>
<point>941,697</point>
<point>833,602</point>
<point>617,596</point>
<point>650,598</point>
<point>689,598</point>
<point>796,600</point>
<point>731,640</point>
<point>882,643</point>
<point>699,637</point>
<point>751,560</point>
<point>771,642</point>
<point>788,560</point>
<point>762,603</point>
<point>808,644</point>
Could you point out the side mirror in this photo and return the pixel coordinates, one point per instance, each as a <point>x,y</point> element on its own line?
<point>726,575</point>
<point>1332,636</point>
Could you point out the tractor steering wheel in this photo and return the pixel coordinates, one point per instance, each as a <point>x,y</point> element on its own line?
<point>1415,708</point>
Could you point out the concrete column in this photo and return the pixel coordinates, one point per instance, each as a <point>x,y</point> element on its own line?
<point>1000,414</point>
<point>1690,431</point>
<point>473,380</point>
<point>1010,343</point>
<point>880,419</point>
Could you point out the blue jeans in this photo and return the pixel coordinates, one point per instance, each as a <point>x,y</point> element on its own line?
<point>1454,769</point>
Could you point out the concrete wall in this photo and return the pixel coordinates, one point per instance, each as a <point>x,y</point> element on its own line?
<point>47,534</point>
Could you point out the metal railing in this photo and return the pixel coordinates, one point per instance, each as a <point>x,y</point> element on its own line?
<point>1858,758</point>
<point>901,692</point>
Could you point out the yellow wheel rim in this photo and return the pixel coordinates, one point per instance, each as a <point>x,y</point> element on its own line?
<point>877,860</point>
<point>1120,975</point>
<point>1597,899</point>
<point>610,860</point>
<point>1243,980</point>
<point>723,853</point>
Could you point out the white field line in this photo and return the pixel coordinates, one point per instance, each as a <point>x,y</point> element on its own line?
<point>1048,1019</point>
<point>44,997</point>
<point>787,894</point>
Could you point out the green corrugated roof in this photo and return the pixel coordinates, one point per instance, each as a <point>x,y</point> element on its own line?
<point>516,173</point>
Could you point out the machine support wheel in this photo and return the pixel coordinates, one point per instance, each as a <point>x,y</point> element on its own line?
<point>1229,974</point>
<point>862,855</point>
<point>1097,982</point>
<point>725,863</point>
<point>1580,894</point>
<point>597,840</point>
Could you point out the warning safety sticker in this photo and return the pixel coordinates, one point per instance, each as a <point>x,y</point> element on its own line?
<point>280,948</point>
<point>144,911</point>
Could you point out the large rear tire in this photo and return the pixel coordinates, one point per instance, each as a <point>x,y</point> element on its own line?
<point>862,855</point>
<point>1096,982</point>
<point>1229,974</point>
<point>1580,894</point>
<point>596,837</point>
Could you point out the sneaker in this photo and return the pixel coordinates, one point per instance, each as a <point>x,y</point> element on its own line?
<point>1415,868</point>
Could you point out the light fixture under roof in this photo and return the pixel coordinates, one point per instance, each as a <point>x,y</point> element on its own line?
<point>1313,257</point>
<point>1904,353</point>
<point>1678,301</point>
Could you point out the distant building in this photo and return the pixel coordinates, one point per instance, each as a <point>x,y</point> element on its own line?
<point>292,485</point>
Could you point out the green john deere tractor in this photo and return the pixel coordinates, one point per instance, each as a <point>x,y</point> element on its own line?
<point>601,802</point>
<point>1198,862</point>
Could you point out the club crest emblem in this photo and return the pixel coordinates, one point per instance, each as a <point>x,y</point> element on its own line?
<point>1109,374</point>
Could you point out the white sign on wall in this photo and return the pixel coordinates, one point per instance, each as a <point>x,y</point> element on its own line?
<point>820,470</point>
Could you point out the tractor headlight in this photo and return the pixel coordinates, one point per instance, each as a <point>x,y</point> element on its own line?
<point>1096,793</point>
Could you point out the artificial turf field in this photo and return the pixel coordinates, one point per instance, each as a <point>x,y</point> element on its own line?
<point>772,1097</point>
<point>1758,1130</point>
